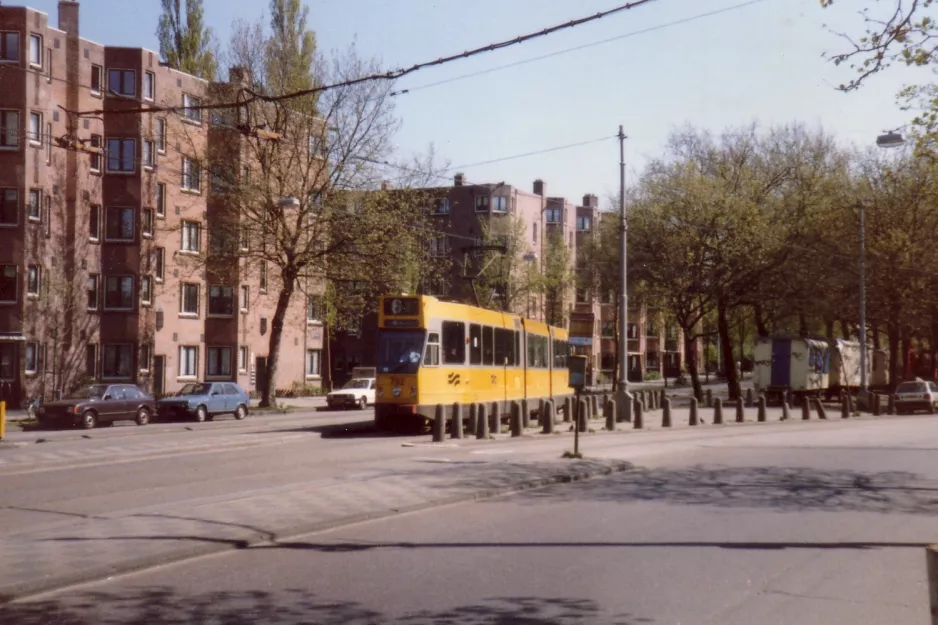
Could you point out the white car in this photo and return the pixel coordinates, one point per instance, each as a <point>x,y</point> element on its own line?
<point>357,392</point>
<point>916,395</point>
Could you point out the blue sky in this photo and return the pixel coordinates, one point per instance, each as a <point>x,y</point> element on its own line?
<point>755,63</point>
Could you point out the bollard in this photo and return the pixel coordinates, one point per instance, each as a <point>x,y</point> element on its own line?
<point>693,411</point>
<point>582,417</point>
<point>717,411</point>
<point>876,404</point>
<point>624,406</point>
<point>595,407</point>
<point>547,417</point>
<point>844,406</point>
<point>639,421</point>
<point>850,404</point>
<point>789,399</point>
<point>890,404</point>
<point>821,410</point>
<point>761,416</point>
<point>805,408</point>
<point>456,421</point>
<point>708,400</point>
<point>749,398</point>
<point>666,413</point>
<point>482,423</point>
<point>525,413</point>
<point>662,397</point>
<point>439,424</point>
<point>473,417</point>
<point>495,419</point>
<point>656,401</point>
<point>517,424</point>
<point>609,411</point>
<point>740,410</point>
<point>931,565</point>
<point>567,410</point>
<point>786,415</point>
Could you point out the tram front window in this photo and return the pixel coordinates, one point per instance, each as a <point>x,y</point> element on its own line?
<point>399,351</point>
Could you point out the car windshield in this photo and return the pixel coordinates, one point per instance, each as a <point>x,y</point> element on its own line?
<point>357,383</point>
<point>195,389</point>
<point>95,391</point>
<point>399,351</point>
<point>911,387</point>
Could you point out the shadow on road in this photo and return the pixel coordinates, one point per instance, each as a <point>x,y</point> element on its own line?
<point>358,429</point>
<point>789,489</point>
<point>165,606</point>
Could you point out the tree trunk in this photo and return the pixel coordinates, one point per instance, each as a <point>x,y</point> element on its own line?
<point>690,362</point>
<point>726,348</point>
<point>893,333</point>
<point>845,329</point>
<point>829,326</point>
<point>802,324</point>
<point>326,373</point>
<point>877,339</point>
<point>269,389</point>
<point>759,315</point>
<point>933,343</point>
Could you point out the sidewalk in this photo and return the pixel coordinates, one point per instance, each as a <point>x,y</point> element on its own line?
<point>71,551</point>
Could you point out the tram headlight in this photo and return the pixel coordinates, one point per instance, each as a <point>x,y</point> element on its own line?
<point>396,391</point>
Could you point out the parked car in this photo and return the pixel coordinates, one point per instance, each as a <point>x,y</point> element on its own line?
<point>204,400</point>
<point>357,393</point>
<point>916,395</point>
<point>99,404</point>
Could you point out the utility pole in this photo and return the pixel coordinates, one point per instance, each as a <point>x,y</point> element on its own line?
<point>623,398</point>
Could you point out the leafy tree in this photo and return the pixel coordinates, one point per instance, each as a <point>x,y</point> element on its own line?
<point>555,278</point>
<point>291,48</point>
<point>505,275</point>
<point>186,43</point>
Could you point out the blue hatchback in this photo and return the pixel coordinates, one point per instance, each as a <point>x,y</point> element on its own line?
<point>202,401</point>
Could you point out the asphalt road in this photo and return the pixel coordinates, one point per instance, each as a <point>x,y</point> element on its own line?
<point>780,523</point>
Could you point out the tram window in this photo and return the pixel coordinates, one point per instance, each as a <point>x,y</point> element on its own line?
<point>488,347</point>
<point>504,347</point>
<point>537,351</point>
<point>560,354</point>
<point>432,357</point>
<point>475,344</point>
<point>454,342</point>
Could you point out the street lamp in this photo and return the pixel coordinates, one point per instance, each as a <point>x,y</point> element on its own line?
<point>889,139</point>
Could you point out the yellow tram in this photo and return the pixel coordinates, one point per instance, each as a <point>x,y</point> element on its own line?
<point>432,352</point>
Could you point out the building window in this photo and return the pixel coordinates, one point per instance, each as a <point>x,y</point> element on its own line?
<point>34,134</point>
<point>35,50</point>
<point>582,296</point>
<point>439,246</point>
<point>161,135</point>
<point>441,206</point>
<point>312,362</point>
<point>32,357</point>
<point>191,236</point>
<point>245,297</point>
<point>9,129</point>
<point>8,283</point>
<point>146,290</point>
<point>117,361</point>
<point>119,224</point>
<point>97,74</point>
<point>94,222</point>
<point>263,276</point>
<point>499,204</point>
<point>146,222</point>
<point>158,266</point>
<point>218,362</point>
<point>583,224</point>
<point>191,113</point>
<point>314,308</point>
<point>188,361</point>
<point>95,165</point>
<point>121,154</point>
<point>149,85</point>
<point>554,215</point>
<point>93,281</point>
<point>9,46</point>
<point>189,299</point>
<point>91,360</point>
<point>535,233</point>
<point>221,300</point>
<point>118,293</point>
<point>161,199</point>
<point>122,82</point>
<point>145,350</point>
<point>243,358</point>
<point>33,280</point>
<point>191,175</point>
<point>482,203</point>
<point>148,154</point>
<point>9,207</point>
<point>34,207</point>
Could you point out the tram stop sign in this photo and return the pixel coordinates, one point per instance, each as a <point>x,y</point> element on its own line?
<point>577,366</point>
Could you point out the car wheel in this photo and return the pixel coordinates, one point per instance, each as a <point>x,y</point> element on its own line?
<point>143,416</point>
<point>362,403</point>
<point>240,412</point>
<point>89,420</point>
<point>201,414</point>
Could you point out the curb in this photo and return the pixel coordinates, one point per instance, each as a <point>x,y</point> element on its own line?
<point>24,590</point>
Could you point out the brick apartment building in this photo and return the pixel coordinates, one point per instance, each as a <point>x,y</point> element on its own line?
<point>105,222</point>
